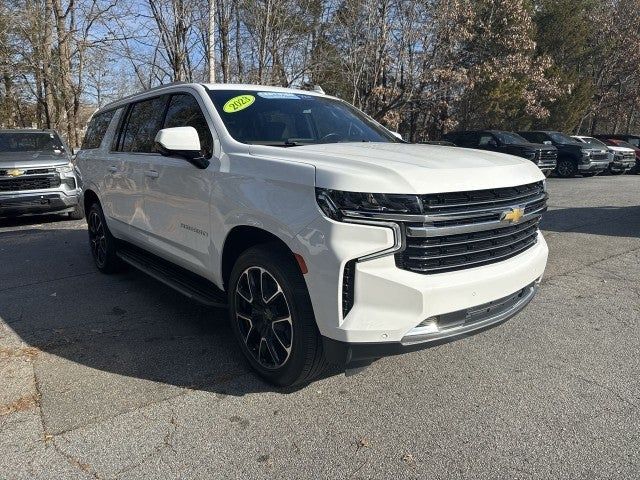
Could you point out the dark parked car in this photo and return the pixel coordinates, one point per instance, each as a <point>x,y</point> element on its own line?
<point>573,157</point>
<point>506,142</point>
<point>616,142</point>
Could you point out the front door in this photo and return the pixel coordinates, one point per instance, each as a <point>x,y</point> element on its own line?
<point>177,200</point>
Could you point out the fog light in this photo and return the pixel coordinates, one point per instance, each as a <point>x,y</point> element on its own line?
<point>427,326</point>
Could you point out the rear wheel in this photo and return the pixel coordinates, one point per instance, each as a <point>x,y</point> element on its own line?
<point>101,242</point>
<point>566,168</point>
<point>272,318</point>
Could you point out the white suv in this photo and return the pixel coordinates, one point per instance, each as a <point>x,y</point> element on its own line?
<point>336,243</point>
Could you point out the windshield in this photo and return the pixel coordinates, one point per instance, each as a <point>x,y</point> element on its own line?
<point>30,142</point>
<point>290,119</point>
<point>510,138</point>
<point>594,142</point>
<point>634,141</point>
<point>562,138</point>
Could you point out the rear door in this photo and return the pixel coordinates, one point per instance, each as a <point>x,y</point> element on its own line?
<point>177,201</point>
<point>132,152</point>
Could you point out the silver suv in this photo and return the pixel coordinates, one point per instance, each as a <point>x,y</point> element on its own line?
<point>36,174</point>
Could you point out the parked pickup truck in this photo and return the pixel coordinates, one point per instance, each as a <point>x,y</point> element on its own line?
<point>622,159</point>
<point>573,156</point>
<point>36,174</point>
<point>635,146</point>
<point>544,156</point>
<point>329,240</point>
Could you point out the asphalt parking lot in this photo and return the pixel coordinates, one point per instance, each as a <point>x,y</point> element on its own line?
<point>119,377</point>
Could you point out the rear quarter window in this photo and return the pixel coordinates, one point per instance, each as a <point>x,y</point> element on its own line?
<point>97,129</point>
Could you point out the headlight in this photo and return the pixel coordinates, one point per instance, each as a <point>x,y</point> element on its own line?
<point>337,204</point>
<point>586,154</point>
<point>529,154</point>
<point>65,169</point>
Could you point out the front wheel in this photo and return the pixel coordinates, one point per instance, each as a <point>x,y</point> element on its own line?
<point>566,168</point>
<point>272,317</point>
<point>77,213</point>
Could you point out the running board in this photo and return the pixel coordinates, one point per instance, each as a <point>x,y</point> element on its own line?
<point>189,284</point>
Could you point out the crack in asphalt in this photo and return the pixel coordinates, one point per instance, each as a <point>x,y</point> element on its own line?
<point>41,282</point>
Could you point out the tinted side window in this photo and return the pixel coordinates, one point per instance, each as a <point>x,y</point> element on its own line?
<point>486,139</point>
<point>143,123</point>
<point>96,130</point>
<point>184,111</point>
<point>535,137</point>
<point>469,140</point>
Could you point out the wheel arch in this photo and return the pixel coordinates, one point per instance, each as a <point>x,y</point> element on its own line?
<point>240,239</point>
<point>89,197</point>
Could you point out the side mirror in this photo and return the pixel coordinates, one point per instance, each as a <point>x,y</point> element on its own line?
<point>397,135</point>
<point>75,151</point>
<point>548,142</point>
<point>181,142</point>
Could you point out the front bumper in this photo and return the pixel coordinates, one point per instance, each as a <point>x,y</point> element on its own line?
<point>37,202</point>
<point>457,325</point>
<point>622,166</point>
<point>593,166</point>
<point>389,303</point>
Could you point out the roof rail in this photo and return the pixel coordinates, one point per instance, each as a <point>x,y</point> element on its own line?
<point>158,87</point>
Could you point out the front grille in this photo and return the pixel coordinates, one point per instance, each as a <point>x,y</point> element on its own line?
<point>466,229</point>
<point>454,252</point>
<point>547,157</point>
<point>599,156</point>
<point>29,182</point>
<point>30,171</point>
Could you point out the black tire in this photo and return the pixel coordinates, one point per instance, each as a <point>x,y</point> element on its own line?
<point>101,242</point>
<point>566,168</point>
<point>283,352</point>
<point>615,172</point>
<point>77,214</point>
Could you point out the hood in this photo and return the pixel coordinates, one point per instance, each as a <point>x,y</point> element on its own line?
<point>32,159</point>
<point>407,168</point>
<point>531,146</point>
<point>613,148</point>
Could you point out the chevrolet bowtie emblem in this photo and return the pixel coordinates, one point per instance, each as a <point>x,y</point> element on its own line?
<point>512,215</point>
<point>15,172</point>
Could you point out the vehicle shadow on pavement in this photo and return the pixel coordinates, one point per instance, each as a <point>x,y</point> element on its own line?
<point>126,324</point>
<point>607,221</point>
<point>29,220</point>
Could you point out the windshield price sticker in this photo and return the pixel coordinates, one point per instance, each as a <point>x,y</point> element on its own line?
<point>238,103</point>
<point>278,95</point>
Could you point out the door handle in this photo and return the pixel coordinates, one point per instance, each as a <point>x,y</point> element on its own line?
<point>152,174</point>
<point>112,169</point>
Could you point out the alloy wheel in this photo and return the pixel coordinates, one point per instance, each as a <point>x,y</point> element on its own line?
<point>564,169</point>
<point>97,238</point>
<point>264,317</point>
